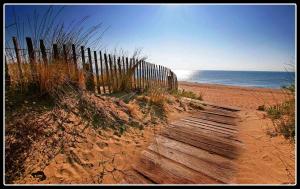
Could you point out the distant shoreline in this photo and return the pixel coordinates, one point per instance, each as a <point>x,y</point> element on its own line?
<point>230,86</point>
<point>242,97</point>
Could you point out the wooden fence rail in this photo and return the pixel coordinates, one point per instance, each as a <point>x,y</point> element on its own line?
<point>103,73</point>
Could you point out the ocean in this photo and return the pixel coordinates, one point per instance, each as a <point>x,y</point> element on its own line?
<point>261,79</point>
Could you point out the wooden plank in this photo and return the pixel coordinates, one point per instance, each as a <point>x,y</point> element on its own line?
<point>215,118</point>
<point>205,167</point>
<point>232,138</point>
<point>16,47</point>
<point>133,177</point>
<point>97,73</point>
<point>120,70</point>
<point>164,171</point>
<point>102,76</point>
<point>205,144</point>
<point>43,51</point>
<point>32,60</point>
<point>222,128</point>
<point>221,111</point>
<point>216,112</point>
<point>112,78</point>
<point>143,74</point>
<point>204,128</point>
<point>75,60</point>
<point>205,137</point>
<point>91,82</point>
<point>123,66</point>
<point>107,73</point>
<point>65,53</point>
<point>209,122</point>
<point>134,73</point>
<point>55,52</point>
<point>7,76</point>
<point>196,152</point>
<point>116,77</point>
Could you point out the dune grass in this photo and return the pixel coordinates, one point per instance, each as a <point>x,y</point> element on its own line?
<point>283,115</point>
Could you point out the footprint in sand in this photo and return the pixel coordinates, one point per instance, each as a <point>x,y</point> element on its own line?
<point>266,158</point>
<point>102,144</point>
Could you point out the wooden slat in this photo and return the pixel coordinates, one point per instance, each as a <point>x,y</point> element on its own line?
<point>209,168</point>
<point>165,171</point>
<point>202,130</point>
<point>219,112</point>
<point>193,151</point>
<point>209,122</point>
<point>222,128</point>
<point>196,141</point>
<point>204,137</point>
<point>215,118</point>
<point>133,177</point>
<point>16,47</point>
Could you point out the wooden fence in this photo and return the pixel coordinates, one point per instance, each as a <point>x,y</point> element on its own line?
<point>105,73</point>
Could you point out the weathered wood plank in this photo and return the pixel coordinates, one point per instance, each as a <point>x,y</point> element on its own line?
<point>174,172</point>
<point>205,144</point>
<point>204,137</point>
<point>219,112</point>
<point>193,151</point>
<point>133,177</point>
<point>215,118</point>
<point>202,130</point>
<point>205,167</point>
<point>218,128</point>
<point>209,122</point>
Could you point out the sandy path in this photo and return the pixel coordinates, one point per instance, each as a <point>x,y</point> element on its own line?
<point>266,159</point>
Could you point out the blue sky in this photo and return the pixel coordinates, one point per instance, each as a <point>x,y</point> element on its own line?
<point>193,37</point>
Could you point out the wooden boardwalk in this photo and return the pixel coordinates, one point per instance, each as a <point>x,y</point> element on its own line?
<point>198,149</point>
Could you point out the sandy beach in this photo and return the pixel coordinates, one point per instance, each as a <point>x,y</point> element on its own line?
<point>100,156</point>
<point>265,159</point>
<point>247,98</point>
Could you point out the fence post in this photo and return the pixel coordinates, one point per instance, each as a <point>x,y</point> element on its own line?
<point>127,66</point>
<point>134,73</point>
<point>75,60</point>
<point>31,58</point>
<point>120,68</point>
<point>116,73</point>
<point>101,68</point>
<point>138,74</point>
<point>65,53</point>
<point>111,72</point>
<point>143,65</point>
<point>123,66</point>
<point>152,75</point>
<point>159,75</point>
<point>91,83</point>
<point>7,76</point>
<point>82,57</point>
<point>43,50</point>
<point>155,75</point>
<point>97,73</point>
<point>55,52</point>
<point>18,58</point>
<point>66,58</point>
<point>107,73</point>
